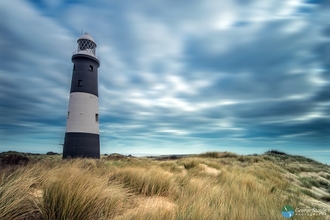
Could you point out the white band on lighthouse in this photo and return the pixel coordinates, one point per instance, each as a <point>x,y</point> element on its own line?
<point>83,113</point>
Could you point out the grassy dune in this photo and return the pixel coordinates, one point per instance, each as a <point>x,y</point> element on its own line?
<point>213,185</point>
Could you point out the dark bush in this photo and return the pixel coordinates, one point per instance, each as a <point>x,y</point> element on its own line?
<point>51,153</point>
<point>275,152</point>
<point>115,156</point>
<point>173,157</point>
<point>14,159</point>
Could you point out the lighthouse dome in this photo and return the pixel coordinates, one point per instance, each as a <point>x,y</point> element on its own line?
<point>87,36</point>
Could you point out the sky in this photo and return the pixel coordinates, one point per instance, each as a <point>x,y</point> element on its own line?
<point>176,77</point>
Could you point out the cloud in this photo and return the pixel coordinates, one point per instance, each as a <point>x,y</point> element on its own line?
<point>32,62</point>
<point>174,76</point>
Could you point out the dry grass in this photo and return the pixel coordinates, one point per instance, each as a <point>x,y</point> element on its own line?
<point>16,203</point>
<point>213,185</point>
<point>147,182</point>
<point>71,193</point>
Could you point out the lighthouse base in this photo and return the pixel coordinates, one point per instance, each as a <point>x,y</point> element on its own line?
<point>81,145</point>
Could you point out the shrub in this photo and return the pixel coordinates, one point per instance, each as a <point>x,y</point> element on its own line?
<point>275,152</point>
<point>52,153</point>
<point>14,159</point>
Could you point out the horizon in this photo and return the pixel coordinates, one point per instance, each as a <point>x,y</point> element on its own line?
<point>175,77</point>
<point>167,155</point>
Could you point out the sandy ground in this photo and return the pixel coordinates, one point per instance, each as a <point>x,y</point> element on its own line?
<point>210,170</point>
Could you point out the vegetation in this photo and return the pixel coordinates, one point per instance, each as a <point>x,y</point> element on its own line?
<point>275,152</point>
<point>13,158</point>
<point>308,182</point>
<point>325,198</point>
<point>212,185</point>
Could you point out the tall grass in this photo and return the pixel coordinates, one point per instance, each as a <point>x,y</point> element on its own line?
<point>15,201</point>
<point>211,186</point>
<point>69,190</point>
<point>152,208</point>
<point>148,182</point>
<point>308,182</point>
<point>70,193</point>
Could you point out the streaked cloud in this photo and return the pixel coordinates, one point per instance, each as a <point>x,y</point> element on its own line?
<point>175,77</point>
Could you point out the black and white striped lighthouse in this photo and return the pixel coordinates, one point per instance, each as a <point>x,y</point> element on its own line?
<point>82,138</point>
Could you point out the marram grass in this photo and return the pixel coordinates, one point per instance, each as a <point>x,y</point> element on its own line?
<point>213,185</point>
<point>70,193</point>
<point>15,200</point>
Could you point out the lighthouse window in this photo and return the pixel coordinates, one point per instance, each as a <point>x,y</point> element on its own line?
<point>68,114</point>
<point>74,66</point>
<point>97,117</point>
<point>91,68</point>
<point>79,83</point>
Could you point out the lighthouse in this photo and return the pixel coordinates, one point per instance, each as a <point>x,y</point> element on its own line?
<point>82,138</point>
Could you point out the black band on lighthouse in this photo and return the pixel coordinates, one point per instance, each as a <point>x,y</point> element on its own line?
<point>81,145</point>
<point>84,77</point>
